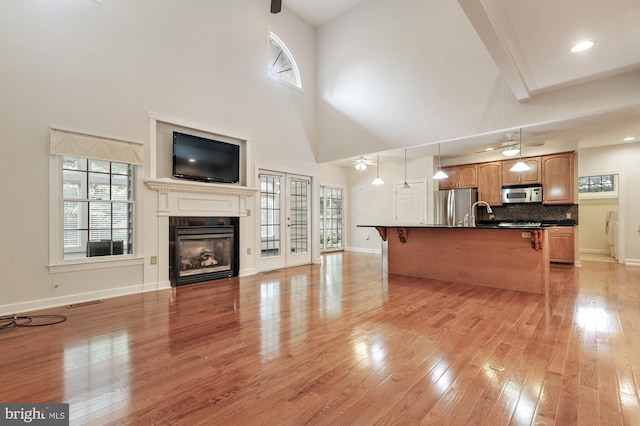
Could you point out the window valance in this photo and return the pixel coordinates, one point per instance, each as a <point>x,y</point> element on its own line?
<point>64,142</point>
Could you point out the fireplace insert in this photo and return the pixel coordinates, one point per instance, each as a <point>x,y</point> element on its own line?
<point>203,253</point>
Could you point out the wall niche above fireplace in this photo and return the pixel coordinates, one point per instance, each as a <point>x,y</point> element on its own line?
<point>203,249</point>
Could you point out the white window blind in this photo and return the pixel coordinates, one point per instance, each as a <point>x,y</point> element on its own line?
<point>64,142</point>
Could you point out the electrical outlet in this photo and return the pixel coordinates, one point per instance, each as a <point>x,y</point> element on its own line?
<point>248,212</point>
<point>249,250</point>
<point>154,260</point>
<point>526,235</point>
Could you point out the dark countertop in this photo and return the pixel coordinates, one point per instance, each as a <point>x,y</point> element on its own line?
<point>495,224</point>
<point>547,223</point>
<point>478,226</point>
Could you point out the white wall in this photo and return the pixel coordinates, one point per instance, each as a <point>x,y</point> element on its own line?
<point>374,205</point>
<point>624,160</point>
<point>410,72</point>
<point>101,68</point>
<point>593,220</point>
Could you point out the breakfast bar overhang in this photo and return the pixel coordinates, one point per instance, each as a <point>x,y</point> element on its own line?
<point>490,256</point>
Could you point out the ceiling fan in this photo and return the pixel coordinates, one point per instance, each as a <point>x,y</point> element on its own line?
<point>511,146</point>
<point>361,163</point>
<point>276,6</point>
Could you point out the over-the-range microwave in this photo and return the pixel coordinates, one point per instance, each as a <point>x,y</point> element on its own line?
<point>527,194</point>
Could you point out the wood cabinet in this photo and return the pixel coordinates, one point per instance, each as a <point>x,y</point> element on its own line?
<point>490,182</point>
<point>559,179</point>
<point>463,176</point>
<point>521,178</point>
<point>562,244</point>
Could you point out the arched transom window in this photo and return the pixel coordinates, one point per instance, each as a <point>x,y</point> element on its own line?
<point>282,65</point>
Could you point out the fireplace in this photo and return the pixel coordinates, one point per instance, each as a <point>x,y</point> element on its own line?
<point>202,249</point>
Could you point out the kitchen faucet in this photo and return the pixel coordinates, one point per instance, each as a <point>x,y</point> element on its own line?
<point>472,222</point>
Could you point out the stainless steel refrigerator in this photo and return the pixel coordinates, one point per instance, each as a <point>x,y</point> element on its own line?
<point>453,205</point>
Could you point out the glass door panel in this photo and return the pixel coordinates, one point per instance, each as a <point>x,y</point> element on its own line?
<point>331,219</point>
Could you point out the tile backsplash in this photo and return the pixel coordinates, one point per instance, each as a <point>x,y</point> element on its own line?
<point>532,212</point>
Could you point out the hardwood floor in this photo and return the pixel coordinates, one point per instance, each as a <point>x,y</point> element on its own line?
<point>336,344</point>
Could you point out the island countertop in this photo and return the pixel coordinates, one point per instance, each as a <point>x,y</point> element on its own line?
<point>478,226</point>
<point>514,258</point>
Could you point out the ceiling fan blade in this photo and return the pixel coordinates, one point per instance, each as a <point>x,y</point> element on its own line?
<point>276,6</point>
<point>488,149</point>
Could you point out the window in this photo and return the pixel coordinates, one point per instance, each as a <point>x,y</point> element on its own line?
<point>331,218</point>
<point>282,65</point>
<point>97,207</point>
<point>598,186</point>
<point>602,183</point>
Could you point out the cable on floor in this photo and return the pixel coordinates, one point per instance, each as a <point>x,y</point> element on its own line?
<point>12,321</point>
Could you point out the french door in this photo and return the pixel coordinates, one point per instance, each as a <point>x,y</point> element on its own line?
<point>285,220</point>
<point>331,219</point>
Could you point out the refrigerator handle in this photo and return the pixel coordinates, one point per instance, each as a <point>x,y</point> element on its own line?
<point>452,208</point>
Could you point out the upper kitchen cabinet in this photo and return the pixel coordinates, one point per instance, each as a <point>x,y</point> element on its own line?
<point>490,182</point>
<point>559,180</point>
<point>463,176</point>
<point>521,178</point>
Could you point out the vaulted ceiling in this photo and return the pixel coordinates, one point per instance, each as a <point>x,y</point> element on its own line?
<point>530,42</point>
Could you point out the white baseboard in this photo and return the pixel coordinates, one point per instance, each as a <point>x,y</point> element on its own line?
<point>632,262</point>
<point>595,251</point>
<point>35,305</point>
<point>363,250</point>
<point>247,272</point>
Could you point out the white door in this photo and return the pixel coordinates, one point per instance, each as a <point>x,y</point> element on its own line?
<point>285,220</point>
<point>410,203</point>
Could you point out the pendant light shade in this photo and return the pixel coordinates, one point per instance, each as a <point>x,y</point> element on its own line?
<point>377,180</point>
<point>440,174</point>
<point>406,185</point>
<point>520,166</point>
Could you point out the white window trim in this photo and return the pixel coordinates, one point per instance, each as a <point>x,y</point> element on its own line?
<point>57,263</point>
<point>601,194</point>
<point>285,49</point>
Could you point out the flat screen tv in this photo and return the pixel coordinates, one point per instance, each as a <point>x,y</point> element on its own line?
<point>207,160</point>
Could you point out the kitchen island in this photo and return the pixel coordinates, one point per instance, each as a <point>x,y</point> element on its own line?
<point>487,255</point>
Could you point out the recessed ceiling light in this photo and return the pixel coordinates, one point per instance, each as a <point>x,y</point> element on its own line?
<point>582,46</point>
<point>629,139</point>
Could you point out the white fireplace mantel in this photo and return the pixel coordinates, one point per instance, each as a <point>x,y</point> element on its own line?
<point>189,198</point>
<point>175,185</point>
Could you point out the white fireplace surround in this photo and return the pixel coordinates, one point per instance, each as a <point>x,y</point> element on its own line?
<point>185,198</point>
<point>177,197</point>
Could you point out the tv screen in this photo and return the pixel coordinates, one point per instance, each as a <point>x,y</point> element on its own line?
<point>203,159</point>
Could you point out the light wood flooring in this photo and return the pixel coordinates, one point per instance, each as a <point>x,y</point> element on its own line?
<point>338,344</point>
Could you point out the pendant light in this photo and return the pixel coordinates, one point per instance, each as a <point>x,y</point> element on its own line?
<point>440,174</point>
<point>406,185</point>
<point>520,166</point>
<point>377,180</point>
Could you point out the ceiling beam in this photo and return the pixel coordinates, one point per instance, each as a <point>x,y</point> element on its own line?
<point>481,21</point>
